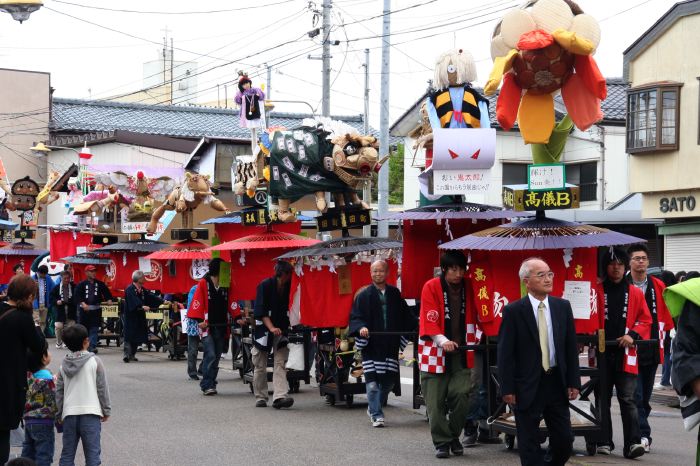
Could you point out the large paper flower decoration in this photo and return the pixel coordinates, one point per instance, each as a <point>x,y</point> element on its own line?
<point>538,50</point>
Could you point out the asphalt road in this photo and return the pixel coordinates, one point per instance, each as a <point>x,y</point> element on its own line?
<point>159,417</point>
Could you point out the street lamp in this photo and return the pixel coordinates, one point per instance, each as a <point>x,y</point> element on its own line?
<point>20,9</point>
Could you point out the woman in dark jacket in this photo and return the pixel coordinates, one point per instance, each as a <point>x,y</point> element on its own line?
<point>18,333</point>
<point>137,300</point>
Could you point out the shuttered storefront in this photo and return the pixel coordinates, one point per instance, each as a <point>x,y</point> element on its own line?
<point>682,252</point>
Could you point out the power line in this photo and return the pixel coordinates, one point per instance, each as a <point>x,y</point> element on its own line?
<point>393,12</point>
<point>409,31</point>
<point>184,75</point>
<point>142,12</point>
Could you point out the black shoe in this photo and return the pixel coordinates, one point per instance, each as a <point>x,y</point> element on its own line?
<point>261,404</point>
<point>442,451</point>
<point>194,377</point>
<point>93,350</point>
<point>456,447</point>
<point>134,359</point>
<point>285,402</point>
<point>125,359</point>
<point>635,451</point>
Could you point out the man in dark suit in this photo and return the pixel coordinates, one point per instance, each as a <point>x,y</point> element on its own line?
<point>538,365</point>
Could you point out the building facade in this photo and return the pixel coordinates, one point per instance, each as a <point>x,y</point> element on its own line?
<point>663,132</point>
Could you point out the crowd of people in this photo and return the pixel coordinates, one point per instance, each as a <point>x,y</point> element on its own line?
<point>537,354</point>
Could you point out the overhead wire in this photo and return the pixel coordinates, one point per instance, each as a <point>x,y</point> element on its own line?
<point>144,12</point>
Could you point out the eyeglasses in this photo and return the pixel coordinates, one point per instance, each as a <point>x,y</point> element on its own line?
<point>639,258</point>
<point>542,275</point>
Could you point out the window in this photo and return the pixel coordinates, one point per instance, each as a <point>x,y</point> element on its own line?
<point>514,173</point>
<point>585,176</point>
<point>653,117</point>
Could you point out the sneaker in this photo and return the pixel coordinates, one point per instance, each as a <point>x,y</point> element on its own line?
<point>209,392</point>
<point>646,444</point>
<point>603,449</point>
<point>285,402</point>
<point>379,422</point>
<point>261,404</point>
<point>125,359</point>
<point>63,346</point>
<point>59,346</point>
<point>469,440</point>
<point>442,451</point>
<point>456,447</point>
<point>635,451</point>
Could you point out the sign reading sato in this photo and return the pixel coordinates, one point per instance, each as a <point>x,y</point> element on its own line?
<point>526,199</point>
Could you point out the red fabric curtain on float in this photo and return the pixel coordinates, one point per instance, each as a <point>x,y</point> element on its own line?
<point>231,231</point>
<point>420,255</point>
<point>66,243</point>
<point>8,262</point>
<point>321,304</point>
<point>176,276</point>
<point>118,275</point>
<point>495,282</point>
<point>259,265</point>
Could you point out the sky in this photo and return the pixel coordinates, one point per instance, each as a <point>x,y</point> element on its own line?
<point>95,52</point>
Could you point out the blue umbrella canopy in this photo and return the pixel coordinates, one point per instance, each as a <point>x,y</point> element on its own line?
<point>540,233</point>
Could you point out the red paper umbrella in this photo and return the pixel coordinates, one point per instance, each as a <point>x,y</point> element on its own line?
<point>266,240</point>
<point>184,250</point>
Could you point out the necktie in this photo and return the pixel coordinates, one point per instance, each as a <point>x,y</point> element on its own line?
<point>544,337</point>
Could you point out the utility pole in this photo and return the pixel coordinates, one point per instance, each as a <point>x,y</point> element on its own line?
<point>268,91</point>
<point>367,190</point>
<point>326,57</point>
<point>383,225</point>
<point>172,56</point>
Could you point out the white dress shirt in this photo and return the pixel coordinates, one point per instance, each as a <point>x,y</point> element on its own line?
<point>550,333</point>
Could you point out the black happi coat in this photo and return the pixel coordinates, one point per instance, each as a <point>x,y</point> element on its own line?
<point>380,352</point>
<point>135,325</point>
<point>91,318</point>
<point>269,302</point>
<point>67,310</point>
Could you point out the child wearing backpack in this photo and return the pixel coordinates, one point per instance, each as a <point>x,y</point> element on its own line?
<point>40,409</point>
<point>82,397</point>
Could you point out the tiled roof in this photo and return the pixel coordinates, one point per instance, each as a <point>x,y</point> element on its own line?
<point>72,115</point>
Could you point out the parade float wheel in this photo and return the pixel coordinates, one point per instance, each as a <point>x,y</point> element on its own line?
<point>510,441</point>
